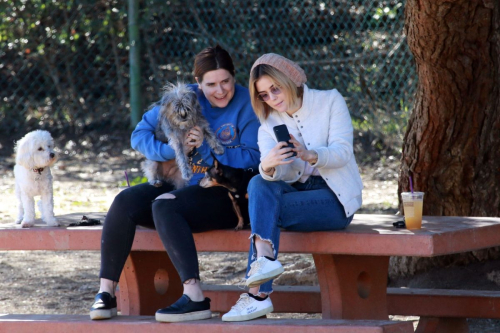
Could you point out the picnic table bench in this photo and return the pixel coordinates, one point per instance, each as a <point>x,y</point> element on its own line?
<point>351,264</point>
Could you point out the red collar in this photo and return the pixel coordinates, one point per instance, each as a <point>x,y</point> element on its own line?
<point>39,170</point>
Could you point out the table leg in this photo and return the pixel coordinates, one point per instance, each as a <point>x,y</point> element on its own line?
<point>352,287</point>
<point>149,281</point>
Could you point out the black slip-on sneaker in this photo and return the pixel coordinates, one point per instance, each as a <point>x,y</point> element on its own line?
<point>104,306</point>
<point>184,309</point>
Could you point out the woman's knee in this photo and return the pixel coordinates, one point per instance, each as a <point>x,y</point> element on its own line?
<point>161,209</point>
<point>123,203</point>
<point>122,211</point>
<point>257,184</point>
<point>122,199</point>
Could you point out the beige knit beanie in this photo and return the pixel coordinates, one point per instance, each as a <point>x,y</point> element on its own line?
<point>284,65</point>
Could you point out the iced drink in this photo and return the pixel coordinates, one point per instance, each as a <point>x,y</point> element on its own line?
<point>412,206</point>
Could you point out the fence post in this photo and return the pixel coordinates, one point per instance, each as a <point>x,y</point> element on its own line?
<point>134,59</point>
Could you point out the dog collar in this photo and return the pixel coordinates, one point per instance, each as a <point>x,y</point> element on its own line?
<point>39,170</point>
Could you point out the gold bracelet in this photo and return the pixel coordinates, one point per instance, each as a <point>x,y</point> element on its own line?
<point>268,171</point>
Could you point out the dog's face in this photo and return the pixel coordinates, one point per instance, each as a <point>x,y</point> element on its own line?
<point>180,106</point>
<point>219,175</point>
<point>36,150</point>
<point>211,176</point>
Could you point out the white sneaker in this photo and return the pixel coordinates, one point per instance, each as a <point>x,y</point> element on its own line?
<point>263,270</point>
<point>248,308</point>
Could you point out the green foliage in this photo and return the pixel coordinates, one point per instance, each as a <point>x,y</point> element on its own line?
<point>64,63</point>
<point>80,203</point>
<point>134,181</point>
<point>387,12</point>
<point>58,66</point>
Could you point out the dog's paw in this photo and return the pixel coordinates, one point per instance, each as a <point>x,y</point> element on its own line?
<point>18,221</point>
<point>240,225</point>
<point>27,224</point>
<point>155,182</point>
<point>52,222</point>
<point>187,175</point>
<point>219,150</point>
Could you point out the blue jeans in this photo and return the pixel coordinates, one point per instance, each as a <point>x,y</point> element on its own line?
<point>309,206</point>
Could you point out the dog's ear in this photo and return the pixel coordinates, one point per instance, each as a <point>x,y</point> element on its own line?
<point>24,154</point>
<point>213,156</point>
<point>164,99</point>
<point>217,167</point>
<point>216,164</point>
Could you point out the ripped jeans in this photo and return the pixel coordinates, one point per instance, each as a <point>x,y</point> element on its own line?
<point>309,206</point>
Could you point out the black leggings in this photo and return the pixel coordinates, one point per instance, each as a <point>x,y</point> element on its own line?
<point>195,209</point>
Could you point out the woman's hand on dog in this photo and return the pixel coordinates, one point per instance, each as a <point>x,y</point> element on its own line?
<point>277,156</point>
<point>194,138</point>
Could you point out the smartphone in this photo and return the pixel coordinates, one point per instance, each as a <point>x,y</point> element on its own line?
<point>281,132</point>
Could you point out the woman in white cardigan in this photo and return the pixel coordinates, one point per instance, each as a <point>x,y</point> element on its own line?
<point>318,189</point>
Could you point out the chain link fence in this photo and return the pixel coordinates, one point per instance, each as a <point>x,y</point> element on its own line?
<point>64,65</point>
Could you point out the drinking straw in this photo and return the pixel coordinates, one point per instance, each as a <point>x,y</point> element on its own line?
<point>128,183</point>
<point>411,185</point>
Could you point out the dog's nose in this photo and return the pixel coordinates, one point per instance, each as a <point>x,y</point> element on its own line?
<point>52,155</point>
<point>183,114</point>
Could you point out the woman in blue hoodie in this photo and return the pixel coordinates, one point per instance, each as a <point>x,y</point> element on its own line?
<point>227,108</point>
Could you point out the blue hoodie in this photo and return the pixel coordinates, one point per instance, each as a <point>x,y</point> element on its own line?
<point>235,126</point>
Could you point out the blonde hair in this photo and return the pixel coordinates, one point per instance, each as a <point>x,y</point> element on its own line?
<point>292,92</point>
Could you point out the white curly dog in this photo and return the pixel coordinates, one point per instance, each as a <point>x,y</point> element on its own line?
<point>34,156</point>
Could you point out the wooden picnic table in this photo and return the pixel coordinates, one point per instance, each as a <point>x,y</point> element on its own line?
<point>352,264</point>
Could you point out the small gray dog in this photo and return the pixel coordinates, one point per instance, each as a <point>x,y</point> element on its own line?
<point>180,111</point>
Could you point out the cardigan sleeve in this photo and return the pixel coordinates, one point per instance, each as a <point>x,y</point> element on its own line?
<point>289,173</point>
<point>340,136</point>
<point>266,143</point>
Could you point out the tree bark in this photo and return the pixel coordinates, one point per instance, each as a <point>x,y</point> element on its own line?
<point>452,143</point>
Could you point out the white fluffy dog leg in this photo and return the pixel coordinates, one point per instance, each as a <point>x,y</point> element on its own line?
<point>29,211</point>
<point>20,210</point>
<point>46,205</point>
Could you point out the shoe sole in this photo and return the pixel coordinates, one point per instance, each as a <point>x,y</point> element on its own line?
<point>173,318</point>
<point>250,316</point>
<point>263,278</point>
<point>103,314</point>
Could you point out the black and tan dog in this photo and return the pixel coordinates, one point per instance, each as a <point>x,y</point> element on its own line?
<point>236,181</point>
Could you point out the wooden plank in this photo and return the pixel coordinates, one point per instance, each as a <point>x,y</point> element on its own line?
<point>367,235</point>
<point>400,301</point>
<point>444,303</point>
<point>147,324</point>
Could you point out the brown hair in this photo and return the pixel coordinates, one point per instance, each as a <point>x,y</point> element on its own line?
<point>210,59</point>
<point>279,79</point>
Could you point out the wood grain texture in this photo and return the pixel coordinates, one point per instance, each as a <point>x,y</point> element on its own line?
<point>453,136</point>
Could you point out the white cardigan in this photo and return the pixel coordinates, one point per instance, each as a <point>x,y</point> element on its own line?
<point>325,125</point>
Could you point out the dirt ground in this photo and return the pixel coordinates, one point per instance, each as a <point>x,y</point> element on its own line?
<point>40,282</point>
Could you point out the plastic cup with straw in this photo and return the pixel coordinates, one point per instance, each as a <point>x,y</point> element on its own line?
<point>413,205</point>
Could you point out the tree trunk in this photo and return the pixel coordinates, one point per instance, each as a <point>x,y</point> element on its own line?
<point>452,143</point>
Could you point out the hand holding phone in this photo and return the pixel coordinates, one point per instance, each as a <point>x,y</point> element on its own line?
<point>282,135</point>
